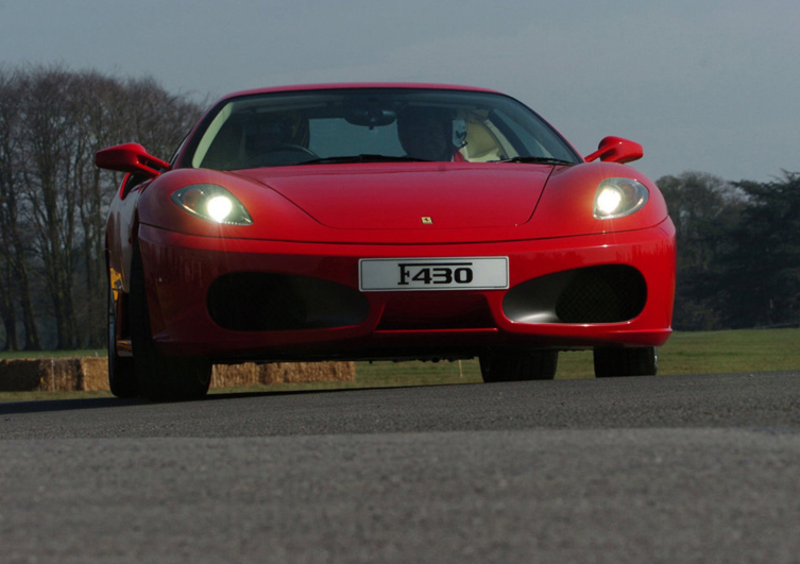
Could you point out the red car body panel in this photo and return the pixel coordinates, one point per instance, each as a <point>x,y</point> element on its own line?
<point>184,267</point>
<point>297,211</point>
<point>317,221</point>
<point>455,196</point>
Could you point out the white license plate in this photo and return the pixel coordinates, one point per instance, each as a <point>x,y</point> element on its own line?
<point>467,273</point>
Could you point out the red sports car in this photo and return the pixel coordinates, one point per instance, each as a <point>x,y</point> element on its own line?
<point>382,221</point>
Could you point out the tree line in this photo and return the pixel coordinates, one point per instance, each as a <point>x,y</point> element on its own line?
<point>738,251</point>
<point>738,242</point>
<point>54,201</point>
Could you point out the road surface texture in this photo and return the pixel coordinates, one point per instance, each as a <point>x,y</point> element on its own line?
<point>665,469</point>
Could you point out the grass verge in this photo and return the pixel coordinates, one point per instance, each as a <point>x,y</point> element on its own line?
<point>685,353</point>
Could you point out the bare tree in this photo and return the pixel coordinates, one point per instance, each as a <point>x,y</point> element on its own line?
<point>157,119</point>
<point>97,109</point>
<point>54,201</point>
<point>14,277</point>
<point>50,136</point>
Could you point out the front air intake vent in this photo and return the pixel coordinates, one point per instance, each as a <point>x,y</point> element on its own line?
<point>595,294</point>
<point>602,294</point>
<point>263,301</point>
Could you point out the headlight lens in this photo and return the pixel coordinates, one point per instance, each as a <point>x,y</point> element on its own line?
<point>618,197</point>
<point>213,203</point>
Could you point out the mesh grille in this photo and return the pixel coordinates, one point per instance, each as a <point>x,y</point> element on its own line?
<point>603,294</point>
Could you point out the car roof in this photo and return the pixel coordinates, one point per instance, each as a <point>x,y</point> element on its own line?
<point>357,85</point>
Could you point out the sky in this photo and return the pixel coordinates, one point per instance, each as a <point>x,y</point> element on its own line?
<point>704,85</point>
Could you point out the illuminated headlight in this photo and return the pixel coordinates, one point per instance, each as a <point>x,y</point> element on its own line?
<point>618,197</point>
<point>213,203</point>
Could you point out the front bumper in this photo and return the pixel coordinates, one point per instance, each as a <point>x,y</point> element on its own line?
<point>180,270</point>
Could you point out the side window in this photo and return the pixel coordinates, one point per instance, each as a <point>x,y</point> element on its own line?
<point>177,151</point>
<point>535,140</point>
<point>530,146</point>
<point>131,181</point>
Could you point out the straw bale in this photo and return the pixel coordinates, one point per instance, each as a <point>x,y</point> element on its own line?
<point>19,375</point>
<point>93,374</point>
<point>90,374</point>
<point>56,374</point>
<point>251,374</point>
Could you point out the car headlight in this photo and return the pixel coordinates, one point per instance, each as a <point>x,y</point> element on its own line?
<point>618,197</point>
<point>213,203</point>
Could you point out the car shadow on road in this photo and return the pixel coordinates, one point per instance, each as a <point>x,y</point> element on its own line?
<point>49,406</point>
<point>41,406</point>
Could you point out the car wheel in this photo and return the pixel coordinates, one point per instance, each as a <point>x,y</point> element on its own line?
<point>497,367</point>
<point>640,361</point>
<point>121,377</point>
<point>160,377</point>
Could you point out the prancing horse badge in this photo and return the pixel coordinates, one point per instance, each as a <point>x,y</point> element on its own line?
<point>427,220</point>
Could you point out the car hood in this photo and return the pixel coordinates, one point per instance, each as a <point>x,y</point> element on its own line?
<point>410,196</point>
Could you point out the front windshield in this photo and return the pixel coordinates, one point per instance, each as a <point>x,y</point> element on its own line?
<point>373,125</point>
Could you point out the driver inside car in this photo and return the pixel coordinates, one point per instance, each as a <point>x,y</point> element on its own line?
<point>427,134</point>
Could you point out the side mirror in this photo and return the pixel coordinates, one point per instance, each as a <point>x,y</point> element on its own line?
<point>131,158</point>
<point>616,150</point>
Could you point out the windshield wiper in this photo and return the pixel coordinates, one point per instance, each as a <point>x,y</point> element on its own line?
<point>537,160</point>
<point>363,158</point>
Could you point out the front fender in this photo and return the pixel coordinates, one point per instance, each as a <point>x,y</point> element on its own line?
<point>566,206</point>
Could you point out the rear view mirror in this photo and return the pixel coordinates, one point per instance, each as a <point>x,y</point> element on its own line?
<point>131,158</point>
<point>372,117</point>
<point>616,150</point>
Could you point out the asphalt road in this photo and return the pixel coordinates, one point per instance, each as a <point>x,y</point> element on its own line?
<point>665,469</point>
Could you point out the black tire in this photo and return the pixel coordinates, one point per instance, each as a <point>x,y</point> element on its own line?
<point>160,377</point>
<point>640,361</point>
<point>121,376</point>
<point>512,367</point>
